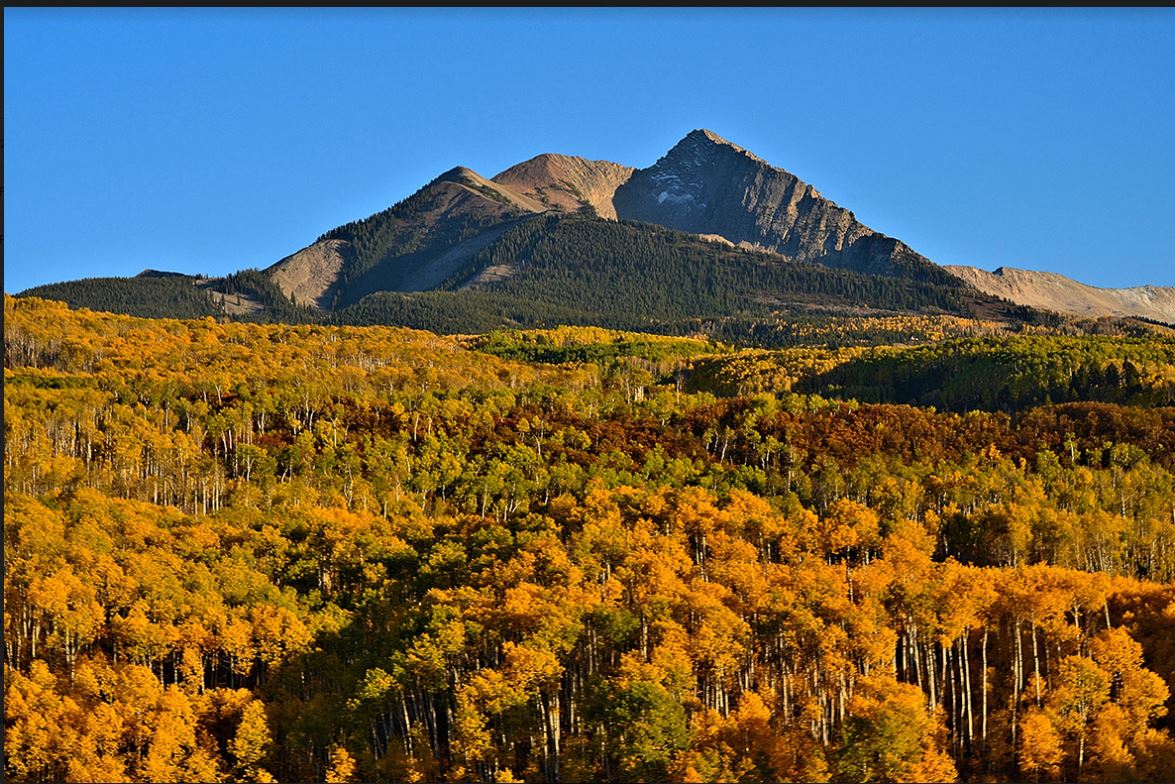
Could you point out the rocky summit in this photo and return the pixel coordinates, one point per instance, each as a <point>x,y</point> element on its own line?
<point>707,185</point>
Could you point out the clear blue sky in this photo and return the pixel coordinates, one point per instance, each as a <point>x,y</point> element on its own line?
<point>208,140</point>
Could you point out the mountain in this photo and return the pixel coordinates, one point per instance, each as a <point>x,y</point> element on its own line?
<point>567,183</point>
<point>559,268</point>
<point>1051,291</point>
<point>709,237</point>
<point>707,185</point>
<point>412,246</point>
<point>420,242</point>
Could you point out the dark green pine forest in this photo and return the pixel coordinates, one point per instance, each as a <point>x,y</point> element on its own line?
<point>565,269</point>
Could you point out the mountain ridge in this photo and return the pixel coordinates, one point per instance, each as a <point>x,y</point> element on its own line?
<point>1057,292</point>
<point>568,182</point>
<point>449,235</point>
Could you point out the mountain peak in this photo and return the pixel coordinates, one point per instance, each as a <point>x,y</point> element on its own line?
<point>705,133</point>
<point>709,185</point>
<point>458,174</point>
<point>567,183</point>
<point>704,137</point>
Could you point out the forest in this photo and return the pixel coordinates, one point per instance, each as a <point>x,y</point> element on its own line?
<point>558,270</point>
<point>636,276</point>
<point>312,552</point>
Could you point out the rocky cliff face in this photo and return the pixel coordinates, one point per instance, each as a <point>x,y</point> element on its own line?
<point>1051,291</point>
<point>707,185</point>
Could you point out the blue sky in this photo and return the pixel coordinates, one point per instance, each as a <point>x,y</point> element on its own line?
<point>208,140</point>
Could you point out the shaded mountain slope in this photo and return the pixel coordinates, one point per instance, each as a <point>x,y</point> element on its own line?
<point>395,249</point>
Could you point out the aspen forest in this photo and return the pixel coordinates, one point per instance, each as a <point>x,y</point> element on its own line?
<point>248,552</point>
